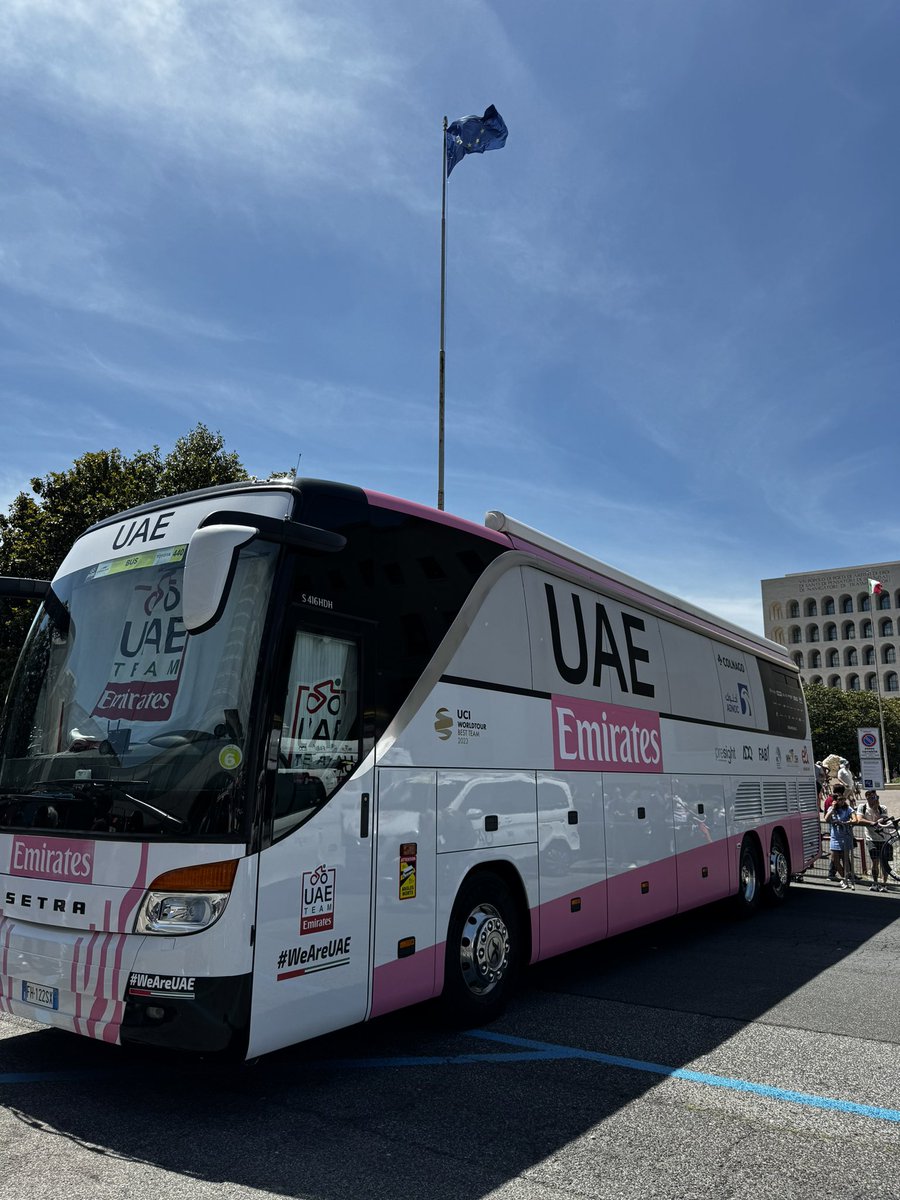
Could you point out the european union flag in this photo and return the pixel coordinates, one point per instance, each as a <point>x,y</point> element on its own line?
<point>474,135</point>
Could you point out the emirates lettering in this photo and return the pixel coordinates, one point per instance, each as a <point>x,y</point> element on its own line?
<point>47,859</point>
<point>604,742</point>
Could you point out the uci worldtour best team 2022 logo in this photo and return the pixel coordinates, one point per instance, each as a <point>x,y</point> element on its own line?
<point>464,726</point>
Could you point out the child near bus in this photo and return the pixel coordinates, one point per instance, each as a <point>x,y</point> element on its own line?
<point>840,819</point>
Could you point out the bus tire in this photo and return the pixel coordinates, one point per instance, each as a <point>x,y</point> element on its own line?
<point>776,890</point>
<point>749,879</point>
<point>484,950</point>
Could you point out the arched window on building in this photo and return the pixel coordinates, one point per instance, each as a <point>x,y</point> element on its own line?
<point>815,658</point>
<point>884,600</point>
<point>885,627</point>
<point>793,609</point>
<point>777,635</point>
<point>846,604</point>
<point>848,631</point>
<point>816,679</point>
<point>829,633</point>
<point>810,608</point>
<point>851,659</point>
<point>865,628</point>
<point>871,685</point>
<point>797,656</point>
<point>827,606</point>
<point>834,681</point>
<point>794,635</point>
<point>776,612</point>
<point>812,633</point>
<point>890,682</point>
<point>863,602</point>
<point>888,654</point>
<point>833,658</point>
<point>852,683</point>
<point>868,656</point>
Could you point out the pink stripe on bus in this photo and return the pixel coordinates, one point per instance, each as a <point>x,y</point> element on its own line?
<point>131,897</point>
<point>437,516</point>
<point>403,981</point>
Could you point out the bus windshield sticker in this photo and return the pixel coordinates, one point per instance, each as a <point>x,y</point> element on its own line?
<point>144,675</point>
<point>134,562</point>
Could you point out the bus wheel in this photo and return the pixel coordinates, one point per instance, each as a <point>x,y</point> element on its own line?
<point>749,879</point>
<point>483,950</point>
<point>776,889</point>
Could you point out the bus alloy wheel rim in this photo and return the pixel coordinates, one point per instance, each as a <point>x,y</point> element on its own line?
<point>748,878</point>
<point>484,950</point>
<point>780,868</point>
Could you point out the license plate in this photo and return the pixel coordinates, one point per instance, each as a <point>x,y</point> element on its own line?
<point>39,994</point>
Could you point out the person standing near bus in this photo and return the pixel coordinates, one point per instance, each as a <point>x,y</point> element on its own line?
<point>872,815</point>
<point>840,819</point>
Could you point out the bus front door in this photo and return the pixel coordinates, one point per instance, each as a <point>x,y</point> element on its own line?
<point>311,967</point>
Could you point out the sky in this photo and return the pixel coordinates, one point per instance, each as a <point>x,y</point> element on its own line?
<point>672,309</point>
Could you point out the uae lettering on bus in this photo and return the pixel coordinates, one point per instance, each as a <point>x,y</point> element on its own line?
<point>145,672</point>
<point>317,900</point>
<point>598,650</point>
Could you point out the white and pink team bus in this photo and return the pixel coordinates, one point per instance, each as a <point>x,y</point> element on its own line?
<point>280,757</point>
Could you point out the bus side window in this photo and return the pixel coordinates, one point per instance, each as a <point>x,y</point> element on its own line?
<point>319,739</point>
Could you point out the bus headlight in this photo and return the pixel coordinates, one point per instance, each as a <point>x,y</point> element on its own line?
<point>186,900</point>
<point>171,913</point>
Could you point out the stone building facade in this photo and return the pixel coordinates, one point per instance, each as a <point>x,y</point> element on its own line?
<point>838,634</point>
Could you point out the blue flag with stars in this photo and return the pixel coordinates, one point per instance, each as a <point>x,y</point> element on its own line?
<point>474,135</point>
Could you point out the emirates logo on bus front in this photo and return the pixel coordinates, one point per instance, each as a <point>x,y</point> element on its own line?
<point>317,900</point>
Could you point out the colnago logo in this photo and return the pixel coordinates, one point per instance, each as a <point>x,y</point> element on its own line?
<point>589,736</point>
<point>52,858</point>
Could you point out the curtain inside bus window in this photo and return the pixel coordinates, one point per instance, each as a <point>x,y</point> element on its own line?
<point>319,745</point>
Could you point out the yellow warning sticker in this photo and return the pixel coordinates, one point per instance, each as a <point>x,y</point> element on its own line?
<point>408,871</point>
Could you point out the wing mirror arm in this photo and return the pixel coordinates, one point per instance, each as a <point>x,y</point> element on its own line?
<point>212,553</point>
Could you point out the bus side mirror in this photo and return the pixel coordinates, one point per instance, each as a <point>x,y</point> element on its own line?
<point>208,571</point>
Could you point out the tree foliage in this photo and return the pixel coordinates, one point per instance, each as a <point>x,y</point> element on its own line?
<point>38,530</point>
<point>835,717</point>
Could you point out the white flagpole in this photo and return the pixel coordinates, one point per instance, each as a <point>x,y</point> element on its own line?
<point>440,495</point>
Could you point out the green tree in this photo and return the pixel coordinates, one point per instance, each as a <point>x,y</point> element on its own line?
<point>835,717</point>
<point>36,533</point>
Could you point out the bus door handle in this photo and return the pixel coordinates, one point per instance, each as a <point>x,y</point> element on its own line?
<point>364,815</point>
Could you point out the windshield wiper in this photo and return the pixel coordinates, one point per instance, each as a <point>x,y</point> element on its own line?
<point>74,788</point>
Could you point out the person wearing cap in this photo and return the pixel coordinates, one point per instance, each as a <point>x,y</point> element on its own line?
<point>872,815</point>
<point>840,817</point>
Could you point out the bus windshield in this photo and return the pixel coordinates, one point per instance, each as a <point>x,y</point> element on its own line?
<point>118,721</point>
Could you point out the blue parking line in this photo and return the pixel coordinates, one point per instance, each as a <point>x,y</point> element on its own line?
<point>545,1050</point>
<point>528,1050</point>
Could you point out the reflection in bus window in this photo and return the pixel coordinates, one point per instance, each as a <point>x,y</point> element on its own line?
<point>319,744</point>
